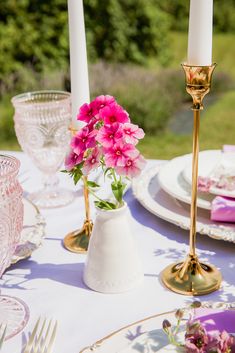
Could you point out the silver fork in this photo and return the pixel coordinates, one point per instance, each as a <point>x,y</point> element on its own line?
<point>3,330</point>
<point>42,337</point>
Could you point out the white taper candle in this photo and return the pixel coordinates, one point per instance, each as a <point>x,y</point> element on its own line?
<point>78,58</point>
<point>200,32</point>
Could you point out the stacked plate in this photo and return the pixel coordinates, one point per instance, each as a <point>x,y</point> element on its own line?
<point>165,191</point>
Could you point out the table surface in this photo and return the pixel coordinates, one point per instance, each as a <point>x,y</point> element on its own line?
<point>50,281</point>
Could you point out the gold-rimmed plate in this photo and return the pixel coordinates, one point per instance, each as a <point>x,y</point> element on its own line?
<point>147,336</point>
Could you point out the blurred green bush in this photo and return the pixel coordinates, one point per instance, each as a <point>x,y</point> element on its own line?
<point>224,14</point>
<point>34,35</point>
<point>151,97</point>
<point>34,53</point>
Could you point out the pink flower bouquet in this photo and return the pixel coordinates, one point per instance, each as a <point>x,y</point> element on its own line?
<point>108,140</point>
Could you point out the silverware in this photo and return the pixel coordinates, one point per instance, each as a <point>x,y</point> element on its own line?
<point>3,330</point>
<point>42,338</point>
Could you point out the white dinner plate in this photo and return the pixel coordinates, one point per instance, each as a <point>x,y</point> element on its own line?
<point>148,192</point>
<point>172,181</point>
<point>145,336</point>
<point>213,163</point>
<point>32,233</point>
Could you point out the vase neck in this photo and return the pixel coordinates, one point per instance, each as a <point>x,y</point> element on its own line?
<point>117,212</point>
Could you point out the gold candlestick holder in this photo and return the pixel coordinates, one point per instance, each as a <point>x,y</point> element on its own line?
<point>77,241</point>
<point>192,277</point>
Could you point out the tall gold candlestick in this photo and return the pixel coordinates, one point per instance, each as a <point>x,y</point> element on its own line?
<point>78,240</point>
<point>192,277</point>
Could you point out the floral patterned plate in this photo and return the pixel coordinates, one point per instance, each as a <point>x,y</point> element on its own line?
<point>148,192</point>
<point>218,169</point>
<point>147,336</point>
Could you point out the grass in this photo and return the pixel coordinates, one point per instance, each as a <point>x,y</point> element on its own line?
<point>217,128</point>
<point>223,51</point>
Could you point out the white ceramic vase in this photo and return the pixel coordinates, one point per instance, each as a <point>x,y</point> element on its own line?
<point>112,264</point>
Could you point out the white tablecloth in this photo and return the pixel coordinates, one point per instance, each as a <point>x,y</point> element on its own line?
<point>50,282</point>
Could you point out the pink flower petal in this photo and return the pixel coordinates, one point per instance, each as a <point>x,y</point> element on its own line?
<point>86,113</point>
<point>114,114</point>
<point>72,159</point>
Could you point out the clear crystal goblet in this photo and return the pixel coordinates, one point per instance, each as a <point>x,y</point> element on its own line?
<point>42,121</point>
<point>14,313</point>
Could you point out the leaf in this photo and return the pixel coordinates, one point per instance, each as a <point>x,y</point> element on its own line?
<point>76,173</point>
<point>118,189</point>
<point>105,205</point>
<point>64,171</point>
<point>92,184</point>
<point>76,177</point>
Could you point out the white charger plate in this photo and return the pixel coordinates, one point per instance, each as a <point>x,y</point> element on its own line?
<point>148,192</point>
<point>209,161</point>
<point>32,233</point>
<point>145,336</point>
<point>171,180</point>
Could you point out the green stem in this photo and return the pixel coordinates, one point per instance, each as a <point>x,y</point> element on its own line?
<point>98,198</point>
<point>114,175</point>
<point>177,326</point>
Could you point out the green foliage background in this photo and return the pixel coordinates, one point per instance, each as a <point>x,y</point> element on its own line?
<point>34,33</point>
<point>134,50</point>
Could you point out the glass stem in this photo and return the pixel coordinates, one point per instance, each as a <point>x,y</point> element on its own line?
<point>50,182</point>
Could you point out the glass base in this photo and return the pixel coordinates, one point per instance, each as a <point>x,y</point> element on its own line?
<point>51,199</point>
<point>14,313</point>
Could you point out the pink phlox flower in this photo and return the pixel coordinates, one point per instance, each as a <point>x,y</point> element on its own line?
<point>83,139</point>
<point>108,135</point>
<point>196,337</point>
<point>114,113</point>
<point>220,342</point>
<point>132,167</point>
<point>92,161</point>
<point>101,102</point>
<point>117,155</point>
<point>72,159</point>
<point>86,113</point>
<point>198,340</point>
<point>91,125</point>
<point>191,347</point>
<point>132,133</point>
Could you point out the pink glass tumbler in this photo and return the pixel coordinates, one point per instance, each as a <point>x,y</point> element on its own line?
<point>11,209</point>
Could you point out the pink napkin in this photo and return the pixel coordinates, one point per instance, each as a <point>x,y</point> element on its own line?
<point>223,209</point>
<point>216,319</point>
<point>228,148</point>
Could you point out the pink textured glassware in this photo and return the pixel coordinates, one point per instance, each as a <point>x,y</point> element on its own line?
<point>11,209</point>
<point>42,121</point>
<point>14,313</point>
